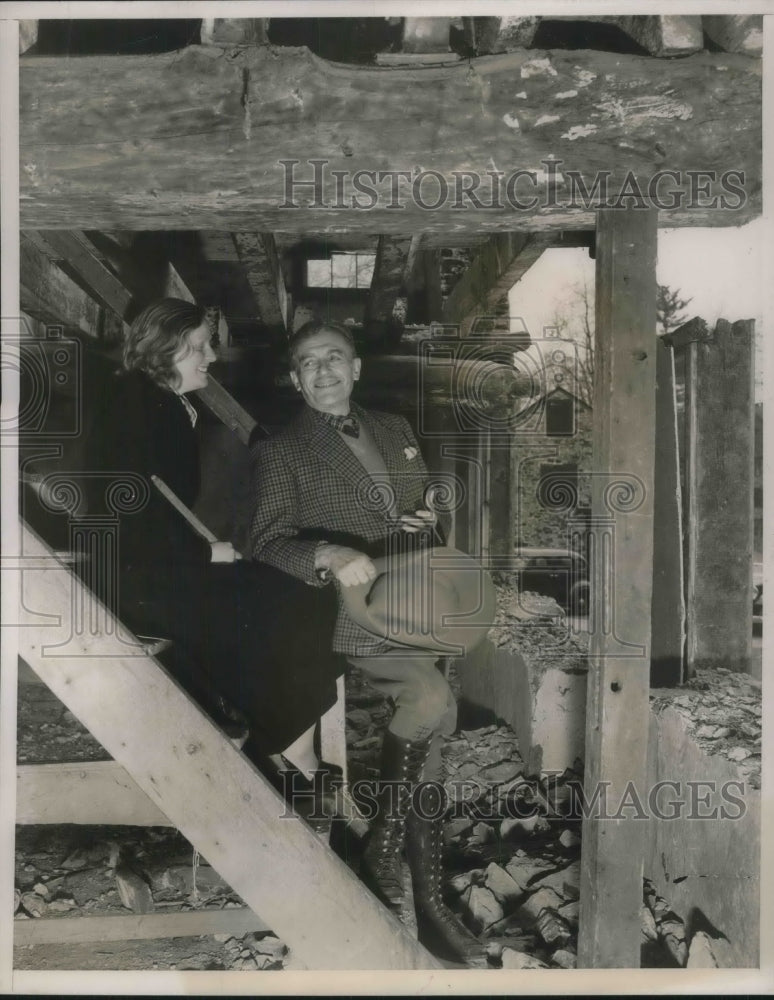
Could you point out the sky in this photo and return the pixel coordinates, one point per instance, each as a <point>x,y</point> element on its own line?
<point>720,270</point>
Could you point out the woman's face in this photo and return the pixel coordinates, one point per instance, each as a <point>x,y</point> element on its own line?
<point>194,358</point>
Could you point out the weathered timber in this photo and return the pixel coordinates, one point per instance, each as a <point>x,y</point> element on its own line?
<point>501,513</point>
<point>50,295</point>
<point>668,609</point>
<point>719,485</point>
<point>738,33</point>
<point>88,792</point>
<point>622,582</point>
<point>28,35</point>
<point>386,307</point>
<point>495,268</point>
<point>77,250</point>
<point>228,31</point>
<point>222,404</point>
<point>258,254</point>
<point>192,771</point>
<point>109,142</point>
<point>488,35</point>
<point>137,927</point>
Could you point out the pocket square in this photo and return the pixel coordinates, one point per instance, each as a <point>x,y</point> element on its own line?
<point>410,452</point>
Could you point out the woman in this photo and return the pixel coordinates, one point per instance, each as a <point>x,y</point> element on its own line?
<point>245,631</point>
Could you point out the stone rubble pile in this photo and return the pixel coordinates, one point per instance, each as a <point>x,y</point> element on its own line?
<point>724,710</point>
<point>512,851</point>
<point>667,941</point>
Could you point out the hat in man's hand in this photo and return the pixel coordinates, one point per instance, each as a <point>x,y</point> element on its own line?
<point>438,599</point>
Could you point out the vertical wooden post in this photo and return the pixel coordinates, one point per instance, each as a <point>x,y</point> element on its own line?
<point>720,409</point>
<point>668,612</point>
<point>617,708</point>
<point>500,500</point>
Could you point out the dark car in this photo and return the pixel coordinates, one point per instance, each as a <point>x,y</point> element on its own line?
<point>558,573</point>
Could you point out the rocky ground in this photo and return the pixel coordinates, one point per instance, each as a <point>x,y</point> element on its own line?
<point>512,845</point>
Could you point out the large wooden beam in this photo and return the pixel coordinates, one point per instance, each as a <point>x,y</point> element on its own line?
<point>667,656</point>
<point>88,792</point>
<point>77,250</point>
<point>136,927</point>
<point>258,255</point>
<point>719,407</point>
<point>500,143</point>
<point>494,270</point>
<point>50,295</point>
<point>622,581</point>
<point>210,791</point>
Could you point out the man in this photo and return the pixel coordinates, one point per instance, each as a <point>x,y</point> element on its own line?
<point>331,489</point>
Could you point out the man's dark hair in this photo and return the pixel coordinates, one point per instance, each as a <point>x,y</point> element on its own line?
<point>311,329</point>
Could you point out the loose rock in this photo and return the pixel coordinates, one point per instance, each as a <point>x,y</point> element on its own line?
<point>483,907</point>
<point>519,960</point>
<point>564,959</point>
<point>506,891</point>
<point>701,954</point>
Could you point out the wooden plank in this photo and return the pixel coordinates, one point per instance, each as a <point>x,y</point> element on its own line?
<point>28,35</point>
<point>222,404</point>
<point>495,268</point>
<point>618,681</point>
<point>136,927</point>
<point>75,248</point>
<point>719,486</point>
<point>668,612</point>
<point>99,124</point>
<point>49,295</point>
<point>86,792</point>
<point>736,33</point>
<point>258,255</point>
<point>211,792</point>
<point>501,512</point>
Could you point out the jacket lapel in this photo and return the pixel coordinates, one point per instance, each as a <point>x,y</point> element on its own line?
<point>387,441</point>
<point>324,442</point>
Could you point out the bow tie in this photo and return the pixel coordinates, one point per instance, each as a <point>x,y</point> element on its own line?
<point>347,425</point>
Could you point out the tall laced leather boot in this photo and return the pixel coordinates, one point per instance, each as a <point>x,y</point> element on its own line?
<point>401,768</point>
<point>440,930</point>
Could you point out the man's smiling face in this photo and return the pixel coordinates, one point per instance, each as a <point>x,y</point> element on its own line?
<point>324,371</point>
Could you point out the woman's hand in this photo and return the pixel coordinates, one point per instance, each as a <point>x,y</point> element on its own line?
<point>224,552</point>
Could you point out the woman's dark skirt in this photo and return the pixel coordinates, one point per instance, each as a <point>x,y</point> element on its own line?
<point>248,632</point>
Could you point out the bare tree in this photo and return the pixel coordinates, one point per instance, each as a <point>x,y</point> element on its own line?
<point>669,308</point>
<point>575,325</point>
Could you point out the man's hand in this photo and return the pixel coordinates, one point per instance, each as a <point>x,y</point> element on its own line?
<point>349,566</point>
<point>223,552</point>
<point>418,520</point>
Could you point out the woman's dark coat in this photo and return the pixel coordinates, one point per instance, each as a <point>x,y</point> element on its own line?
<point>244,630</point>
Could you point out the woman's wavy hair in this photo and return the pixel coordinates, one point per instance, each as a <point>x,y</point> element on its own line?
<point>156,336</point>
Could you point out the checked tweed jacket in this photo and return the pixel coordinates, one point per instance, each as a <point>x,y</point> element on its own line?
<point>309,487</point>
